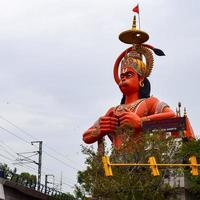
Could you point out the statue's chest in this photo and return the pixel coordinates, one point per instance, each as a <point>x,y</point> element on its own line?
<point>128,108</point>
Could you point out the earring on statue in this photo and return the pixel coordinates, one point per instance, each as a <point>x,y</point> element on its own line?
<point>141,84</point>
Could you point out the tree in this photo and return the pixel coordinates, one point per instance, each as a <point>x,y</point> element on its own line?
<point>65,196</point>
<point>129,183</point>
<point>5,171</point>
<point>28,179</point>
<point>191,147</point>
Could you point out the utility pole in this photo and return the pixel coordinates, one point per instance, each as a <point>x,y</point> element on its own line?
<point>46,181</point>
<point>27,159</point>
<point>61,177</point>
<point>39,161</point>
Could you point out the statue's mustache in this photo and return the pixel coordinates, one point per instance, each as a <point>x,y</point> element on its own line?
<point>123,83</point>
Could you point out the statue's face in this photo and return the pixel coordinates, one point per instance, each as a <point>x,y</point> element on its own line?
<point>129,81</point>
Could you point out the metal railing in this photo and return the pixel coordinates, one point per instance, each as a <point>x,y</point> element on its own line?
<point>10,176</point>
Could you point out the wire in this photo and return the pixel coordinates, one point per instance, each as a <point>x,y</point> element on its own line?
<point>8,147</point>
<point>27,142</point>
<point>10,159</point>
<point>71,186</point>
<point>27,166</point>
<point>67,165</point>
<point>15,126</point>
<point>64,156</point>
<point>26,133</point>
<point>3,148</point>
<point>20,138</point>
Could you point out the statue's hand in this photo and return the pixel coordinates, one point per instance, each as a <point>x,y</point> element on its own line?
<point>107,124</point>
<point>130,118</point>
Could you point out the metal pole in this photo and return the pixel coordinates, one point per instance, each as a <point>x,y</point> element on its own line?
<point>139,20</point>
<point>39,161</point>
<point>157,164</point>
<point>61,182</point>
<point>46,183</point>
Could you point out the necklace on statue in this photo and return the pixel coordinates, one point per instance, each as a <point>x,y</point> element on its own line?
<point>130,107</point>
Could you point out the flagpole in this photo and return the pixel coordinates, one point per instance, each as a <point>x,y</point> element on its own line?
<point>138,16</point>
<point>139,20</point>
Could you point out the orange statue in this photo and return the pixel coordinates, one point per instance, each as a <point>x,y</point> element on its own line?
<point>137,105</point>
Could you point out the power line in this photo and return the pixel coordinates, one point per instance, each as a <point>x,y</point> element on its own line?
<point>4,149</point>
<point>24,140</point>
<point>10,159</point>
<point>61,161</point>
<point>8,147</point>
<point>19,164</point>
<point>20,138</point>
<point>71,186</point>
<point>16,126</point>
<point>15,157</point>
<point>26,166</point>
<point>26,133</point>
<point>52,149</point>
<point>10,132</point>
<point>12,155</point>
<point>28,161</point>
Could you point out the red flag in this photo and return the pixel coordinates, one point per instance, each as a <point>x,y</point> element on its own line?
<point>136,9</point>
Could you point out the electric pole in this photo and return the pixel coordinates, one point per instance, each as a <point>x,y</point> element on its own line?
<point>46,181</point>
<point>61,177</point>
<point>39,161</point>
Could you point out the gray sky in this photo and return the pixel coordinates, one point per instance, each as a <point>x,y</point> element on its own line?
<point>56,63</point>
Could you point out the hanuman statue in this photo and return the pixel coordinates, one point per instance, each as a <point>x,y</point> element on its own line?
<point>131,70</point>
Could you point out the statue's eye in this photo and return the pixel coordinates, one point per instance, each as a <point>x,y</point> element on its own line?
<point>129,75</point>
<point>122,76</point>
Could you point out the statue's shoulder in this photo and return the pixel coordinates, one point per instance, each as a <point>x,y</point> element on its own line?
<point>151,104</point>
<point>155,105</point>
<point>151,100</point>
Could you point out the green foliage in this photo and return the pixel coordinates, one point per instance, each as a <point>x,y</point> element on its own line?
<point>65,196</point>
<point>7,172</point>
<point>191,147</point>
<point>134,182</point>
<point>27,178</point>
<point>188,149</point>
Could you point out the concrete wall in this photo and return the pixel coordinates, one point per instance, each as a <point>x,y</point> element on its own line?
<point>13,191</point>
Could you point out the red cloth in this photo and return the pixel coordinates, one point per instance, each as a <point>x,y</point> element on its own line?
<point>136,9</point>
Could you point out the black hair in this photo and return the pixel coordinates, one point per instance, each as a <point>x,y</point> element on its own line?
<point>143,93</point>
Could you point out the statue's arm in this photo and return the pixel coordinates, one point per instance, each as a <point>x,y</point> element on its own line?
<point>156,110</point>
<point>92,135</point>
<point>105,125</point>
<point>167,112</point>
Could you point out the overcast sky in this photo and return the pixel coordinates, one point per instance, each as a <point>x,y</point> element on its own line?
<point>56,76</point>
